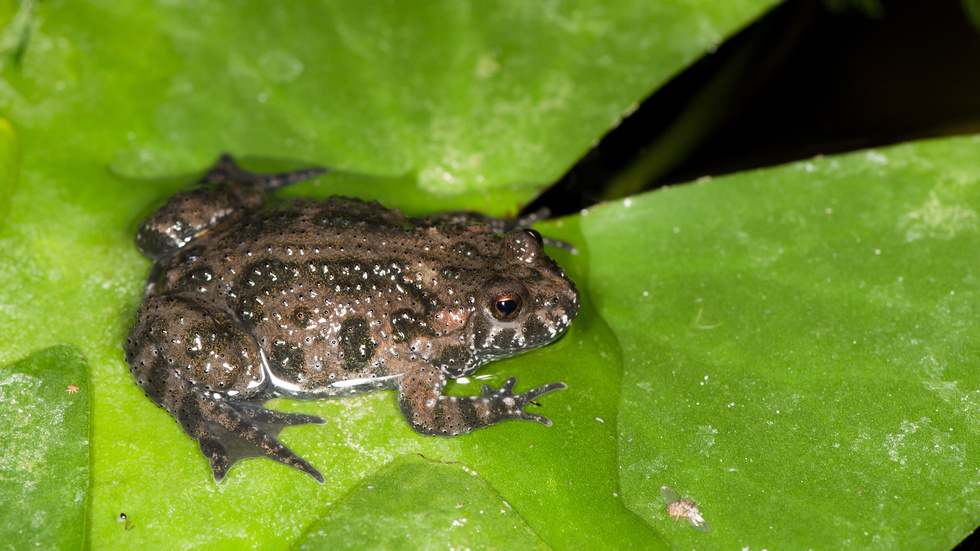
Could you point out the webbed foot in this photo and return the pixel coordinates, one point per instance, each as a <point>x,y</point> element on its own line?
<point>428,412</point>
<point>505,405</point>
<point>228,431</point>
<point>227,170</point>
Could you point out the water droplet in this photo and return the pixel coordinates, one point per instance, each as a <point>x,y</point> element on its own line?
<point>280,66</point>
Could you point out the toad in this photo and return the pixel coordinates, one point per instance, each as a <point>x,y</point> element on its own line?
<point>251,299</point>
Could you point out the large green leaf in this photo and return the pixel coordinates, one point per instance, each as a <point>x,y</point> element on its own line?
<point>799,349</point>
<point>741,340</point>
<point>44,437</point>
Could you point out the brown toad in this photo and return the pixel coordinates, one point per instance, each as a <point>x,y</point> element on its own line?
<point>249,301</point>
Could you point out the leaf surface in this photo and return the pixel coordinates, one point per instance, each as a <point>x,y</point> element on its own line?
<point>44,402</point>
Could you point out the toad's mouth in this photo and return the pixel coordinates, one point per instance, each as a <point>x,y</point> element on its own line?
<point>494,342</point>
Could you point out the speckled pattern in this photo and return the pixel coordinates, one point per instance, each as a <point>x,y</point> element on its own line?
<point>249,300</point>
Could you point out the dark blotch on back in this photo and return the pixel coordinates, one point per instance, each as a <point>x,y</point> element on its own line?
<point>247,311</point>
<point>355,342</point>
<point>465,249</point>
<point>407,325</point>
<point>272,276</point>
<point>354,283</point>
<point>210,337</point>
<point>291,359</point>
<point>276,219</point>
<point>450,273</point>
<point>341,219</point>
<point>192,280</point>
<point>344,212</point>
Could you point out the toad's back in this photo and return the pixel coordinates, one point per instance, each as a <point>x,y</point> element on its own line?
<point>341,289</point>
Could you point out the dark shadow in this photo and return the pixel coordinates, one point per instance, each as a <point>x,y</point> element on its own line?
<point>801,81</point>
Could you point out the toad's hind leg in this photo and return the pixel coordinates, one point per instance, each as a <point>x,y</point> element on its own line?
<point>227,170</point>
<point>224,192</point>
<point>228,431</point>
<point>201,366</point>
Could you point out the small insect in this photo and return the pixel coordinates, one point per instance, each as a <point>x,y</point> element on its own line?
<point>72,389</point>
<point>124,518</point>
<point>677,508</point>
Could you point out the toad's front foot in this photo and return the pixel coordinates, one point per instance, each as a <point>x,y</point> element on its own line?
<point>430,413</point>
<point>505,405</point>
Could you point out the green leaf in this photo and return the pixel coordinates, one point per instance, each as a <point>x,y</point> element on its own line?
<point>44,467</point>
<point>8,166</point>
<point>461,511</point>
<point>799,349</point>
<point>799,365</point>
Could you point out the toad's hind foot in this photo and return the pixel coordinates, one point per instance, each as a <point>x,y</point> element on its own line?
<point>227,170</point>
<point>228,431</point>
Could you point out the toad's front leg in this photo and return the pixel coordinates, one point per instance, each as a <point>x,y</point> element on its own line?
<point>429,412</point>
<point>208,372</point>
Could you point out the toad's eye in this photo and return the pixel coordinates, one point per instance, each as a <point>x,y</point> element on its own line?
<point>535,235</point>
<point>506,306</point>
